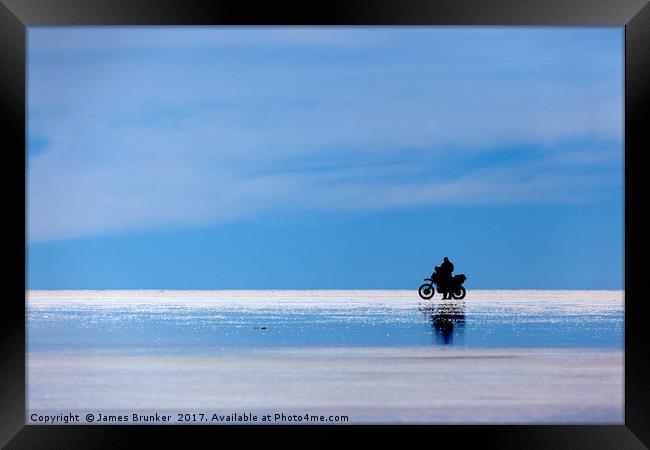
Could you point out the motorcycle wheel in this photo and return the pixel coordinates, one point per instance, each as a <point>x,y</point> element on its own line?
<point>459,293</point>
<point>426,291</point>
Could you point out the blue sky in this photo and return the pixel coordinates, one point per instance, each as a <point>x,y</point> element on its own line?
<point>314,158</point>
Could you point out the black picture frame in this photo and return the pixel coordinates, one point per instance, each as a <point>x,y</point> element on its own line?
<point>634,15</point>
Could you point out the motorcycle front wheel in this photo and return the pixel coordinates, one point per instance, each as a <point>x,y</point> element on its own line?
<point>426,291</point>
<point>459,293</point>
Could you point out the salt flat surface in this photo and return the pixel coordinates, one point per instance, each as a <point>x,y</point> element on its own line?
<point>375,356</point>
<point>369,385</point>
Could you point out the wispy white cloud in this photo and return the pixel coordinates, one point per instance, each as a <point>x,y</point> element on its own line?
<point>203,132</point>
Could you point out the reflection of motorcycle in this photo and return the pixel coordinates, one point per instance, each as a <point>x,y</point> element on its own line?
<point>447,319</point>
<point>455,287</point>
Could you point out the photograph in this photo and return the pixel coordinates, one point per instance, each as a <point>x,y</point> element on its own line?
<point>325,225</point>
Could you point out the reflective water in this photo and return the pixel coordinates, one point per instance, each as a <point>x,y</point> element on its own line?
<point>207,321</point>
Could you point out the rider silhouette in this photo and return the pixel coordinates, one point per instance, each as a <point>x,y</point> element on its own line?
<point>446,269</point>
<point>446,284</point>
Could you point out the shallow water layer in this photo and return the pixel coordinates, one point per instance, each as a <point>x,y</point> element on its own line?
<point>209,321</point>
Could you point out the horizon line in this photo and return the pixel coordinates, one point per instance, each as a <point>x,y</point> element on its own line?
<point>375,290</point>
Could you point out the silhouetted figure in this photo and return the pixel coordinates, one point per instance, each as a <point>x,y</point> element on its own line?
<point>446,284</point>
<point>446,269</point>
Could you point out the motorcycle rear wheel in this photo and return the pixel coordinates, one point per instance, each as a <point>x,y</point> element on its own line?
<point>426,291</point>
<point>459,293</point>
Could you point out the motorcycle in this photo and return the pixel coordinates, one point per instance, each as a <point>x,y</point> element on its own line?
<point>457,291</point>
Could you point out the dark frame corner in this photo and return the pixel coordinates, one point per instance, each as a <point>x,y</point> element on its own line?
<point>634,15</point>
